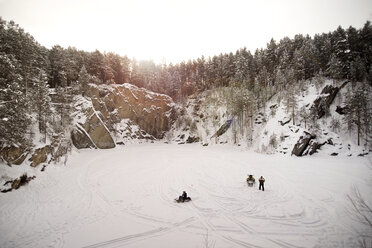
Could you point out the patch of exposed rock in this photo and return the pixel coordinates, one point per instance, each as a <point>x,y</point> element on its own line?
<point>323,102</point>
<point>192,139</point>
<point>40,155</point>
<point>302,144</point>
<point>223,128</point>
<point>13,155</point>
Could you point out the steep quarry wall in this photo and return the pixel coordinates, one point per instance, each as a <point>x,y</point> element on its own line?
<point>109,105</point>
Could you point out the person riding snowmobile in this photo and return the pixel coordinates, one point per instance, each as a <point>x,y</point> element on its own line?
<point>183,197</point>
<point>251,178</point>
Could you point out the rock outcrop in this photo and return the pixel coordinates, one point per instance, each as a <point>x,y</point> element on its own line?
<point>342,110</point>
<point>192,139</point>
<point>40,155</point>
<point>302,144</point>
<point>223,128</point>
<point>80,138</point>
<point>98,131</point>
<point>109,105</point>
<point>13,155</point>
<point>152,112</point>
<point>313,147</point>
<point>285,121</point>
<point>322,103</point>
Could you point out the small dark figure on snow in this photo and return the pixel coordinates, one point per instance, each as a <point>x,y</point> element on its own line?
<point>262,181</point>
<point>183,197</point>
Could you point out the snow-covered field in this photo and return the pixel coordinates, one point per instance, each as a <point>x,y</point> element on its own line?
<point>124,197</point>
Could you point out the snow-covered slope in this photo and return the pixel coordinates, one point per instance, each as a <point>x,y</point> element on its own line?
<point>272,128</point>
<point>124,197</point>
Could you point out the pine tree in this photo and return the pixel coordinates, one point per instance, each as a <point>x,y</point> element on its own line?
<point>359,112</point>
<point>14,118</point>
<point>96,65</point>
<point>14,115</point>
<point>57,60</point>
<point>42,104</point>
<point>335,68</point>
<point>63,106</point>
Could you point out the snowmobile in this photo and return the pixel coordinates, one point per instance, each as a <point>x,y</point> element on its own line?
<point>183,198</point>
<point>180,199</point>
<point>251,181</point>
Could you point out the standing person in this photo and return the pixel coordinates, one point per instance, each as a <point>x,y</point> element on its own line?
<point>262,181</point>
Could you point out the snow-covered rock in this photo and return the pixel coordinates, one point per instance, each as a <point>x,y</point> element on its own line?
<point>302,144</point>
<point>322,103</point>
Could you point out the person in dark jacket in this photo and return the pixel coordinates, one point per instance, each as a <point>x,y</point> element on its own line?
<point>183,197</point>
<point>262,181</point>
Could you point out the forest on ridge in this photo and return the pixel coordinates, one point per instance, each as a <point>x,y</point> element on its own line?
<point>28,71</point>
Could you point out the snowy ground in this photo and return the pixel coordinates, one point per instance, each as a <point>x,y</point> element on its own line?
<point>124,197</point>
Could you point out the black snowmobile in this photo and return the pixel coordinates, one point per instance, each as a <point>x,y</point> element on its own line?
<point>187,199</point>
<point>183,198</point>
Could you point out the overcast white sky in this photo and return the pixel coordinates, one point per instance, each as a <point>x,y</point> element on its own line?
<point>177,30</point>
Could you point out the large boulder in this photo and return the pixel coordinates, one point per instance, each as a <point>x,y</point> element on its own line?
<point>313,147</point>
<point>98,132</point>
<point>80,138</point>
<point>93,133</point>
<point>302,144</point>
<point>13,155</point>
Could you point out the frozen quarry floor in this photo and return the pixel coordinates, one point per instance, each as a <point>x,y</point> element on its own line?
<point>124,197</point>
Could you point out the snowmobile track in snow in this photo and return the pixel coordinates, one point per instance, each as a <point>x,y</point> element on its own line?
<point>125,197</point>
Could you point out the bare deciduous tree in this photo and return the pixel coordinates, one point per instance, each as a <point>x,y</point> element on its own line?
<point>361,211</point>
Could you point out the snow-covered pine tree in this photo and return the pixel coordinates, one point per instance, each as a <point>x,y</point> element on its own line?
<point>359,111</point>
<point>57,58</point>
<point>63,105</point>
<point>42,102</point>
<point>14,117</point>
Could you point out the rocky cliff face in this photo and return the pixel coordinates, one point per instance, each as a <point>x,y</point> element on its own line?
<point>107,106</point>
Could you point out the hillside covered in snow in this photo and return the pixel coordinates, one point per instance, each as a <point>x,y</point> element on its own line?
<point>315,122</point>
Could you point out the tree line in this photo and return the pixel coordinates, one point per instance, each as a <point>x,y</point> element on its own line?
<point>28,71</point>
